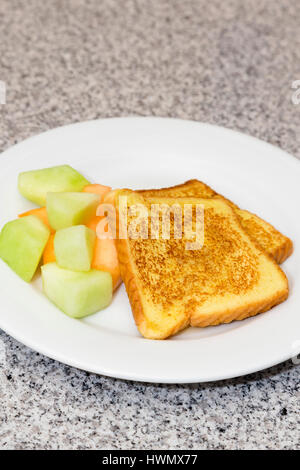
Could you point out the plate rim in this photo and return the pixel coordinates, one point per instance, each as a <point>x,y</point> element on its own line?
<point>132,377</point>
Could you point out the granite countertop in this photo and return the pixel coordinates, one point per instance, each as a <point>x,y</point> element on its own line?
<point>228,63</point>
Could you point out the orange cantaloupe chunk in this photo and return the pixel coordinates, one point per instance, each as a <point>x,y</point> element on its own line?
<point>109,198</point>
<point>105,257</point>
<point>49,253</point>
<point>97,189</point>
<point>93,222</point>
<point>41,213</point>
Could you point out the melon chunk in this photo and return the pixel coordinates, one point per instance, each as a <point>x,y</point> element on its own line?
<point>22,243</point>
<point>41,213</point>
<point>77,294</point>
<point>74,247</point>
<point>97,189</point>
<point>105,258</point>
<point>49,254</point>
<point>67,209</point>
<point>34,185</point>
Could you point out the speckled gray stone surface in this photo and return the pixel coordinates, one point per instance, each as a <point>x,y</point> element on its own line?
<point>230,63</point>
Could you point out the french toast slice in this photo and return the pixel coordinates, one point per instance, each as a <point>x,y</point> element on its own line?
<point>271,240</point>
<point>171,287</point>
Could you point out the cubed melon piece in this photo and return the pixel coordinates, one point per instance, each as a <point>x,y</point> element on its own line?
<point>67,209</point>
<point>34,185</point>
<point>49,253</point>
<point>74,247</point>
<point>94,221</point>
<point>22,243</point>
<point>77,294</point>
<point>97,189</point>
<point>105,258</point>
<point>110,197</point>
<point>41,213</point>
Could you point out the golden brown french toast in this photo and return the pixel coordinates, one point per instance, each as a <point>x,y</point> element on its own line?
<point>171,287</point>
<point>271,240</point>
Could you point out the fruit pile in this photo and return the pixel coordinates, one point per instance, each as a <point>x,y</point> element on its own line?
<point>79,269</point>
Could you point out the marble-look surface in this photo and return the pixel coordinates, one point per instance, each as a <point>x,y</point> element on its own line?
<point>229,63</point>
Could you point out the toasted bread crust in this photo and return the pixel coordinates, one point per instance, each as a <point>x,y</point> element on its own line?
<point>279,251</point>
<point>150,330</point>
<point>242,313</point>
<point>136,302</point>
<point>179,190</point>
<point>267,236</point>
<point>283,252</point>
<point>130,283</point>
<point>135,299</point>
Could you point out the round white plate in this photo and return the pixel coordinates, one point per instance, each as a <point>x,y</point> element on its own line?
<point>154,152</point>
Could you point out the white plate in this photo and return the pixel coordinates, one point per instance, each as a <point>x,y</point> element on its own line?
<point>154,152</point>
